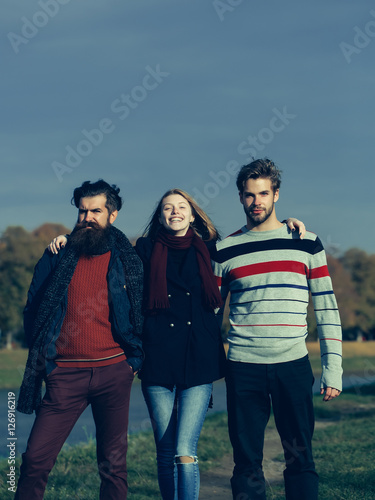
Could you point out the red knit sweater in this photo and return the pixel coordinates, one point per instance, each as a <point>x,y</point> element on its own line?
<point>86,338</point>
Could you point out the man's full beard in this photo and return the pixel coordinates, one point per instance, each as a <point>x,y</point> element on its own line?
<point>89,238</point>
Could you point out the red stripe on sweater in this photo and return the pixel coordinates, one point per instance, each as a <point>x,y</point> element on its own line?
<point>318,272</point>
<point>277,324</point>
<point>233,234</point>
<point>281,266</point>
<point>337,340</point>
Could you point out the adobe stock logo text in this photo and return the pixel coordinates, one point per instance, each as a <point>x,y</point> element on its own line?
<point>121,107</point>
<point>251,147</point>
<point>361,40</point>
<point>30,27</point>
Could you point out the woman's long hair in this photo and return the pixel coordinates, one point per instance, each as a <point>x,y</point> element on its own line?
<point>202,224</point>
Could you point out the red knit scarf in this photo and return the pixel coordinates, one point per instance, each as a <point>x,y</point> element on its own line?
<point>158,295</point>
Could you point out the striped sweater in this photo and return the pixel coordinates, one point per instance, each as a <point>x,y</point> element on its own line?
<point>269,275</point>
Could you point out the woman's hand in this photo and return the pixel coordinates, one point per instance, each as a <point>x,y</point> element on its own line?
<point>294,224</point>
<point>58,243</point>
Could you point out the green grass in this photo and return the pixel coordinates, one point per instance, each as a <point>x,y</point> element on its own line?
<point>344,453</point>
<point>75,474</point>
<point>358,360</point>
<point>12,365</point>
<point>344,450</point>
<point>359,366</point>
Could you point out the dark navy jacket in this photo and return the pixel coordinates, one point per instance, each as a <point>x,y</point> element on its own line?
<point>119,305</point>
<point>182,344</point>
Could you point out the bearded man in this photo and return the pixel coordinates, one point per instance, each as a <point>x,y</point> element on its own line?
<point>83,324</point>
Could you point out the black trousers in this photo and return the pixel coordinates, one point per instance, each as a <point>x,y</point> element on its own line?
<point>250,390</point>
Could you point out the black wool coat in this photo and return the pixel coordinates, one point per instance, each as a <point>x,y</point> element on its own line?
<point>182,344</point>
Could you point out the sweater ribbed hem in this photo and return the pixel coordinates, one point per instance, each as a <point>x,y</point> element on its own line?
<point>282,352</point>
<point>91,363</point>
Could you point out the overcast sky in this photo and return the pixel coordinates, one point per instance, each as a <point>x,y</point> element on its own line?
<point>152,95</point>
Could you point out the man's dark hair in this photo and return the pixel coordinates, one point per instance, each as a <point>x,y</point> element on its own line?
<point>259,169</point>
<point>89,189</point>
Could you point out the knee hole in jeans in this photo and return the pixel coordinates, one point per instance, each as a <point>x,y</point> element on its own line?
<point>185,459</point>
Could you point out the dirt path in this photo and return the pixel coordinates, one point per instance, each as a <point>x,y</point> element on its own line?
<point>215,483</point>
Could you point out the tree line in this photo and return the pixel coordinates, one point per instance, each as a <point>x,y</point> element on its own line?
<point>353,277</point>
<point>20,250</point>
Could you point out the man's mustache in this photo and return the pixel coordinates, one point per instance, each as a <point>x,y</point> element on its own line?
<point>84,224</point>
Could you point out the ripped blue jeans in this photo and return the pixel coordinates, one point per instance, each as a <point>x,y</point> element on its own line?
<point>177,417</point>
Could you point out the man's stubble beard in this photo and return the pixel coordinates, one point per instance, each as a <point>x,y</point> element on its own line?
<point>259,219</point>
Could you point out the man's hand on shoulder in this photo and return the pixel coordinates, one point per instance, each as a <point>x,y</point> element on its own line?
<point>295,224</point>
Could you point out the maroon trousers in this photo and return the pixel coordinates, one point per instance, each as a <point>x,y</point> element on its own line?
<point>68,392</point>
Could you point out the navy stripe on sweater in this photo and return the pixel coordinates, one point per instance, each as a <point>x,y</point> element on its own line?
<point>309,246</point>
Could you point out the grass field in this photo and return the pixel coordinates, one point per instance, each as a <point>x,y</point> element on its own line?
<point>344,450</point>
<point>358,360</point>
<point>344,455</point>
<point>12,365</point>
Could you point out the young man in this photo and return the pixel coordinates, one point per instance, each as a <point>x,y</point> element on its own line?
<point>83,324</point>
<point>269,273</point>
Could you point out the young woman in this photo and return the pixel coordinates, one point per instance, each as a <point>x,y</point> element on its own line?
<point>184,352</point>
